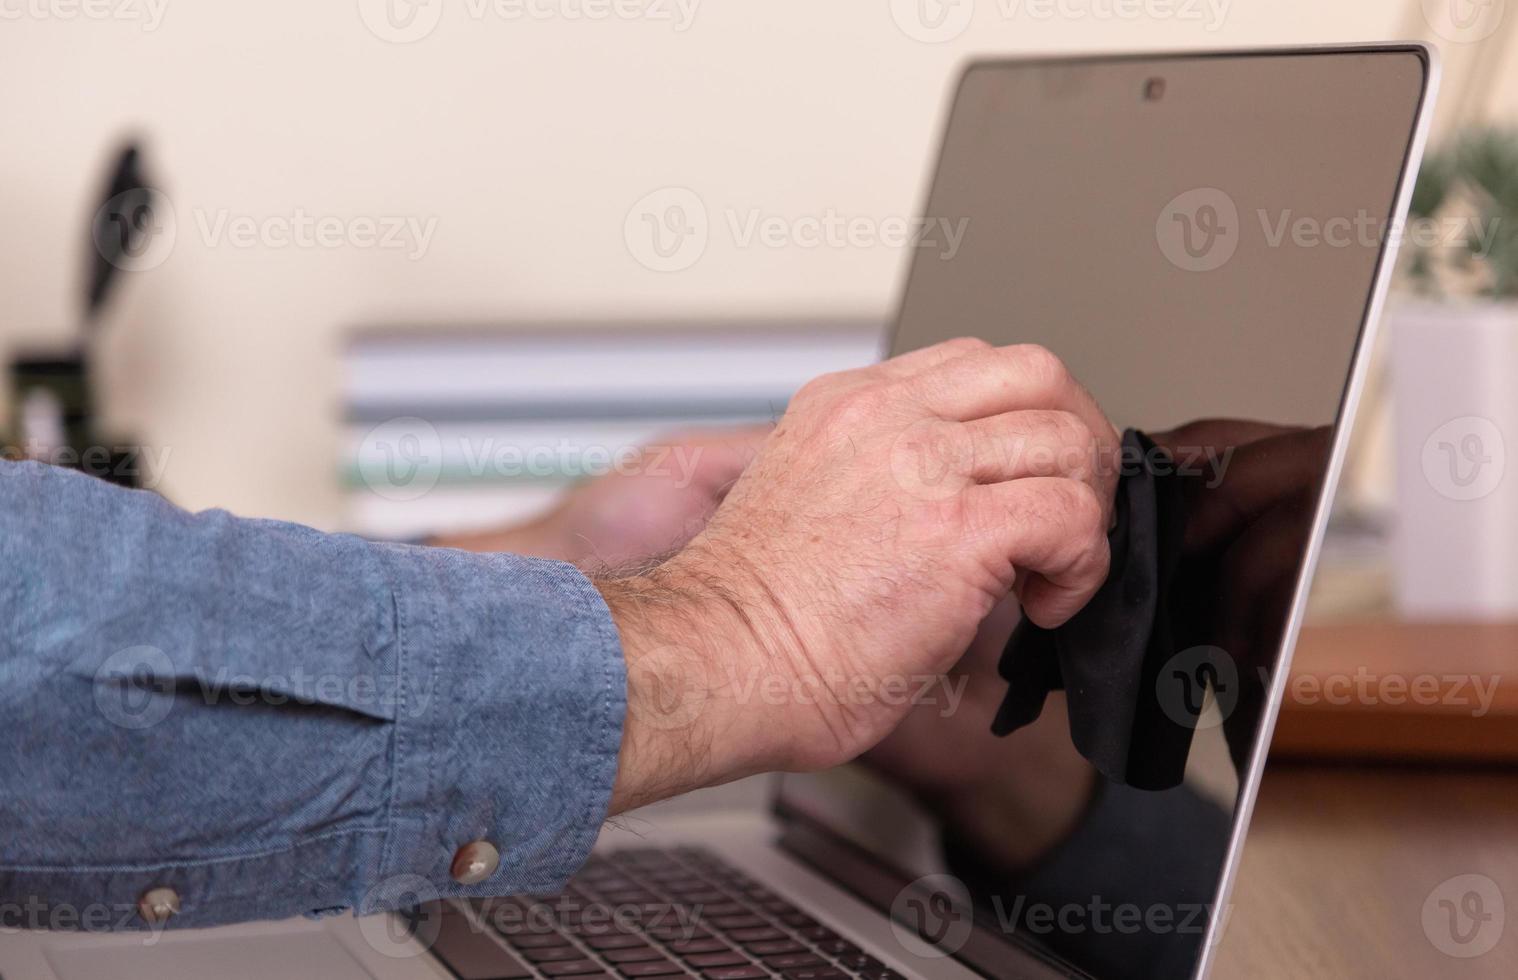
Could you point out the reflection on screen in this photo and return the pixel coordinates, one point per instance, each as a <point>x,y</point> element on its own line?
<point>1200,253</point>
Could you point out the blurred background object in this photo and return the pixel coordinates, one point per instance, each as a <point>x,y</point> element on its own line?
<point>1454,351</point>
<point>53,405</point>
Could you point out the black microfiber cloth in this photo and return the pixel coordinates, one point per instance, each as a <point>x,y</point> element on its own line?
<point>1107,657</point>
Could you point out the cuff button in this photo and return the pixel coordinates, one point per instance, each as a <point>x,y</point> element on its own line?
<point>157,905</point>
<point>474,862</point>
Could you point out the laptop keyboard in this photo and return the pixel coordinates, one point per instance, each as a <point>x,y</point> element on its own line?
<point>649,912</point>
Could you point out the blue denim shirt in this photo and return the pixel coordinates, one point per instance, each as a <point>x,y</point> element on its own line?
<point>271,720</point>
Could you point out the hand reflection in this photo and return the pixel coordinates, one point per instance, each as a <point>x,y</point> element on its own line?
<point>1012,798</point>
<point>1247,516</point>
<point>1246,534</point>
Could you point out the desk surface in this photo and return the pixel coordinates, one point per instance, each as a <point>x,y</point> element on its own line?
<point>1341,863</point>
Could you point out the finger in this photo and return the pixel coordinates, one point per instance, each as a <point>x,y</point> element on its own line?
<point>1010,379</point>
<point>1051,528</point>
<point>1015,445</point>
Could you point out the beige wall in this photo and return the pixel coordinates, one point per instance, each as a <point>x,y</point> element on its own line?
<point>524,142</point>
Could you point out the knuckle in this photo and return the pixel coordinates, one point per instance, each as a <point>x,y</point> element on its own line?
<point>856,406</point>
<point>1071,430</point>
<point>1041,365</point>
<point>815,388</point>
<point>1083,508</point>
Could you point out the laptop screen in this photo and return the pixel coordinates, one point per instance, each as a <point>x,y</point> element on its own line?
<point>1198,237</point>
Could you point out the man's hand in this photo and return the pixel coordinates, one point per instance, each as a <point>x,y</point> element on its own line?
<point>649,507</point>
<point>886,515</point>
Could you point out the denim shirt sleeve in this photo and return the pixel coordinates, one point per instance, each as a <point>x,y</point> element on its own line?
<point>272,721</point>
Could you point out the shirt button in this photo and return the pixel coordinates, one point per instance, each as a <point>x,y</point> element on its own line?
<point>157,904</point>
<point>474,862</point>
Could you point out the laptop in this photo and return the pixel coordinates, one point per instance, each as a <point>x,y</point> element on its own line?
<point>1206,240</point>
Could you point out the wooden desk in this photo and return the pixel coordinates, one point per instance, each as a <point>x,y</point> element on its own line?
<point>1340,862</point>
<point>1328,715</point>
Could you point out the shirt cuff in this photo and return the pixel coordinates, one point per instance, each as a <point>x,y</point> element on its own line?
<point>507,726</point>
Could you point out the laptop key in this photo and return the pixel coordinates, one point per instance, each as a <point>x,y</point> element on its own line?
<point>537,940</point>
<point>817,933</point>
<point>792,960</point>
<point>550,954</point>
<point>860,963</point>
<point>723,908</point>
<point>638,955</point>
<point>756,935</point>
<point>814,973</point>
<point>772,947</point>
<point>703,960</point>
<point>685,947</point>
<point>671,934</point>
<point>664,969</point>
<point>569,968</point>
<point>839,947</point>
<point>736,973</point>
<point>614,941</point>
<point>729,922</point>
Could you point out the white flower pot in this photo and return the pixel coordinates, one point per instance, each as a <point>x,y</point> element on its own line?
<point>1454,373</point>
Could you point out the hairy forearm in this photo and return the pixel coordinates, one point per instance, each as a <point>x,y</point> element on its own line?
<point>694,659</point>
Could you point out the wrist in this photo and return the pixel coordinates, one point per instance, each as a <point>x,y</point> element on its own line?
<point>696,676</point>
